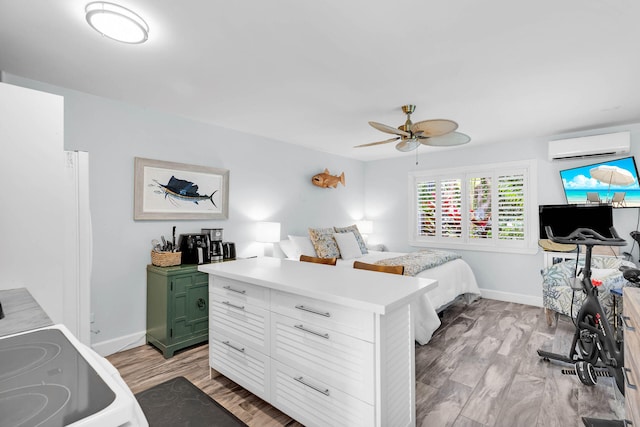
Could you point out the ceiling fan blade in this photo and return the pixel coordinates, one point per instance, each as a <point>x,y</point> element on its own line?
<point>377,143</point>
<point>448,140</point>
<point>408,145</point>
<point>431,128</point>
<point>389,129</point>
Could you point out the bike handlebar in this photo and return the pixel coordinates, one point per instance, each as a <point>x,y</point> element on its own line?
<point>587,236</point>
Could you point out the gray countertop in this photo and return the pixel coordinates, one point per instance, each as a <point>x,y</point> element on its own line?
<point>21,312</point>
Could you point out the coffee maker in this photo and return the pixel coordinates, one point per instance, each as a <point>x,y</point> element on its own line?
<point>194,248</point>
<point>216,250</point>
<point>229,249</point>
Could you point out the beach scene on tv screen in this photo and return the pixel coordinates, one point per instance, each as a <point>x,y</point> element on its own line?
<point>614,182</point>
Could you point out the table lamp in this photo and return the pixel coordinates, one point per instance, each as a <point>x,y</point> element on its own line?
<point>268,232</point>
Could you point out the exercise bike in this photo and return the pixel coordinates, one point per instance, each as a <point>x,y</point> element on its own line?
<point>594,340</point>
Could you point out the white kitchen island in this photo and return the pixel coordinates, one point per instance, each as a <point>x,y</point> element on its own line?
<point>326,345</point>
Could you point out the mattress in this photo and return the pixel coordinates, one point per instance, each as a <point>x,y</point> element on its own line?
<point>455,280</point>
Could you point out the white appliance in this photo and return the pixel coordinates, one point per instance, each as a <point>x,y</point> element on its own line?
<point>77,246</point>
<point>49,378</point>
<point>590,146</point>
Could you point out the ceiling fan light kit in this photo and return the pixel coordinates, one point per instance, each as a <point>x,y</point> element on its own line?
<point>435,132</point>
<point>407,145</point>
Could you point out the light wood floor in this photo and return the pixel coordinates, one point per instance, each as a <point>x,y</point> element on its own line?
<point>480,369</point>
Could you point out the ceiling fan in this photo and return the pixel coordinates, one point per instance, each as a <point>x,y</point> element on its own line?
<point>437,133</point>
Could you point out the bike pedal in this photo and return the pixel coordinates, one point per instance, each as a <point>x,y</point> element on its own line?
<point>602,374</point>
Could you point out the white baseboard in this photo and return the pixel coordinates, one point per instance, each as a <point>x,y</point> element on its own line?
<point>106,348</point>
<point>511,297</point>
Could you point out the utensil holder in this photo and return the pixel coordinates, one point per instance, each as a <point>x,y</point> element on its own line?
<point>166,259</point>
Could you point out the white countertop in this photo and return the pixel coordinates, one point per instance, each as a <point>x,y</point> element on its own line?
<point>360,289</point>
<point>21,312</point>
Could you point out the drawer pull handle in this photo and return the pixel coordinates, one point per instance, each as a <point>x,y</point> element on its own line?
<point>239,307</point>
<point>311,310</point>
<point>625,320</point>
<point>320,334</point>
<point>202,304</point>
<point>626,379</point>
<point>227,343</point>
<point>318,389</point>
<point>229,288</point>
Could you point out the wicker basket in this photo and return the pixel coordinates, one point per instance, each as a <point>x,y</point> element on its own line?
<point>165,259</point>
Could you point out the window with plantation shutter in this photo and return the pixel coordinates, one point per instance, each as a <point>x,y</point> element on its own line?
<point>491,208</point>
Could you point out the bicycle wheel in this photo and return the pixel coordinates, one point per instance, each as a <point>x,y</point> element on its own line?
<point>586,373</point>
<point>587,348</point>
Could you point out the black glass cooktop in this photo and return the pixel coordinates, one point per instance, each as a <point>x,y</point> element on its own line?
<point>45,381</point>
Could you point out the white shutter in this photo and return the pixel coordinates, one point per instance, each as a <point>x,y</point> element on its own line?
<point>426,208</point>
<point>511,207</point>
<point>451,208</point>
<point>480,207</point>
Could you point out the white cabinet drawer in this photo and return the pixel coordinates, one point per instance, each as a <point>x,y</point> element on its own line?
<point>314,403</point>
<point>341,361</point>
<point>242,364</point>
<point>245,292</point>
<point>355,323</point>
<point>241,321</point>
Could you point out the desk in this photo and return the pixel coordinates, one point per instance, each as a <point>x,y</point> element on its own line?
<point>326,345</point>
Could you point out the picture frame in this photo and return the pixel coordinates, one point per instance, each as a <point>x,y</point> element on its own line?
<point>173,191</point>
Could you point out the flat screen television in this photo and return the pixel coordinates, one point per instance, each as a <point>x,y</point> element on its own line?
<point>613,182</point>
<point>564,219</point>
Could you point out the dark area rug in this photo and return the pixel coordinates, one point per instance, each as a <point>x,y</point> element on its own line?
<point>595,422</point>
<point>178,402</point>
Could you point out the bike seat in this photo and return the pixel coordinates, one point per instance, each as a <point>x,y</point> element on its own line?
<point>631,274</point>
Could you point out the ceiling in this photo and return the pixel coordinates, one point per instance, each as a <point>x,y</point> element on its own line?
<point>314,73</point>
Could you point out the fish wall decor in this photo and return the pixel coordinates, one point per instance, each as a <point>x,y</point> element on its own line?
<point>326,180</point>
<point>180,189</point>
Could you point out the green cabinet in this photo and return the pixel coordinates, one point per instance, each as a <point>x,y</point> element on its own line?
<point>177,307</point>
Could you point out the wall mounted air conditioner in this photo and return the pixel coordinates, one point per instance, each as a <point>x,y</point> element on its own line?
<point>590,146</point>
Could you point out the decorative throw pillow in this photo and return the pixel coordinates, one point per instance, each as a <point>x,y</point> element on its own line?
<point>348,245</point>
<point>354,229</point>
<point>324,243</point>
<point>303,246</point>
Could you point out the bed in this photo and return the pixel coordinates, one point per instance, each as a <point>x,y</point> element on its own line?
<point>456,280</point>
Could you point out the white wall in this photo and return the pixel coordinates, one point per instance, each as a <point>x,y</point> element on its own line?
<point>31,172</point>
<point>502,275</point>
<point>269,180</point>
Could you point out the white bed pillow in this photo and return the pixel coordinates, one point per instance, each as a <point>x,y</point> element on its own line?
<point>348,245</point>
<point>303,246</point>
<point>289,249</point>
<point>353,229</point>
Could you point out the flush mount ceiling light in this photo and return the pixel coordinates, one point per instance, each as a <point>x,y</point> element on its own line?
<point>117,22</point>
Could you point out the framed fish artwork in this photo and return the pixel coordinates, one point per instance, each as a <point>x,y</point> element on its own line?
<point>170,190</point>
